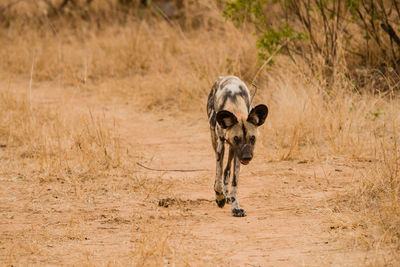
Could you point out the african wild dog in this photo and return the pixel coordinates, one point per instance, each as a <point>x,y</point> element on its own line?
<point>232,121</point>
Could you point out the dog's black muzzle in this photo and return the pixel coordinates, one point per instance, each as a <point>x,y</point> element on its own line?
<point>246,154</point>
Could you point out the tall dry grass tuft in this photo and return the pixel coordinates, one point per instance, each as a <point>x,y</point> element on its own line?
<point>309,121</point>
<point>54,144</point>
<point>374,201</point>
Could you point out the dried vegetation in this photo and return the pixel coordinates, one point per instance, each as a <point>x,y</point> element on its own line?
<point>168,64</point>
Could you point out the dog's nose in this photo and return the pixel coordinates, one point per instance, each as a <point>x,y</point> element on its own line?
<point>246,153</point>
<point>247,158</point>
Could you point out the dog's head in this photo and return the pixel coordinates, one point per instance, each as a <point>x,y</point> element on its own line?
<point>241,131</point>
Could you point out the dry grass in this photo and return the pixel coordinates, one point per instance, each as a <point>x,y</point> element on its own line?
<point>171,67</point>
<point>157,243</point>
<point>144,56</point>
<point>313,124</point>
<point>55,144</point>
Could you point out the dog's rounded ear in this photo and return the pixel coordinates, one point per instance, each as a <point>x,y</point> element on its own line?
<point>226,119</point>
<point>258,115</point>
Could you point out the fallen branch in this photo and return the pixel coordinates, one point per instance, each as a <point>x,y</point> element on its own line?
<point>172,170</point>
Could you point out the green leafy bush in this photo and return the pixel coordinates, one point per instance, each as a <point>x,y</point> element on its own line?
<point>355,33</point>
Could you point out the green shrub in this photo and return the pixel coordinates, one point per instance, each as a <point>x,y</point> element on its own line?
<point>356,32</point>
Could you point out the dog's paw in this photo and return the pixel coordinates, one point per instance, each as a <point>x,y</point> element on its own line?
<point>221,202</point>
<point>220,199</point>
<point>238,213</point>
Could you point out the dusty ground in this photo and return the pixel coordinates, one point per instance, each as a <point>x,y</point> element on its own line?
<point>117,220</point>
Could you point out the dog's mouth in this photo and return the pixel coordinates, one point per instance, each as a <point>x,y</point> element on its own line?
<point>245,162</point>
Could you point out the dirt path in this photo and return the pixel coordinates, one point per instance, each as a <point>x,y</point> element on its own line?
<point>288,223</point>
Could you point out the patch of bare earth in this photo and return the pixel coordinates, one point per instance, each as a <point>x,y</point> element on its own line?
<point>161,218</point>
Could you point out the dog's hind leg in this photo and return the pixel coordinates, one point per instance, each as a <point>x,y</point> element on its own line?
<point>218,188</point>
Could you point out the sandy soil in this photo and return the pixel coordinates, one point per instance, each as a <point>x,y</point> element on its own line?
<point>113,220</point>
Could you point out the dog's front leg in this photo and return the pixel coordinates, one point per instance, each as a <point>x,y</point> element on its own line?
<point>236,210</point>
<point>227,173</point>
<point>218,188</point>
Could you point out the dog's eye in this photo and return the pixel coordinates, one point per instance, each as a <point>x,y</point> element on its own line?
<point>236,139</point>
<point>252,139</point>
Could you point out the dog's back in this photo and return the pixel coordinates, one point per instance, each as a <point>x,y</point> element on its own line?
<point>228,93</point>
